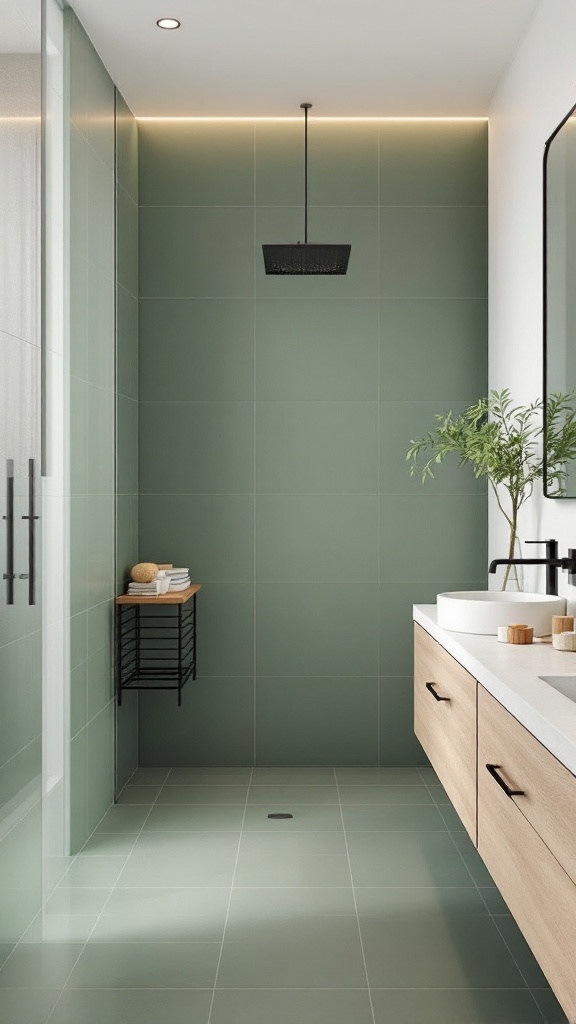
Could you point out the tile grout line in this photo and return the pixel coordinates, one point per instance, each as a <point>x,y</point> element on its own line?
<point>112,889</point>
<point>230,898</point>
<point>354,899</point>
<point>479,891</point>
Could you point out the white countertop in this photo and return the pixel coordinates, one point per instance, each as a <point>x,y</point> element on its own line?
<point>510,673</point>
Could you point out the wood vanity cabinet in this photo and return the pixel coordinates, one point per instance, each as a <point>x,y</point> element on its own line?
<point>445,722</point>
<point>527,839</point>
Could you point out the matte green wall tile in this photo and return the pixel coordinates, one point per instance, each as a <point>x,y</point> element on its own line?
<point>78,192</point>
<point>343,164</point>
<point>100,441</point>
<point>316,629</point>
<point>400,423</point>
<point>447,531</point>
<point>78,698</point>
<point>357,226</point>
<point>214,726</point>
<point>317,537</point>
<point>99,98</point>
<point>78,316</point>
<point>279,164</point>
<point>210,534</point>
<point>126,537</point>
<point>100,682</point>
<point>127,241</point>
<point>197,447</point>
<point>225,614</point>
<point>321,447</point>
<point>100,549</point>
<point>316,721</point>
<point>100,329</point>
<point>127,416</point>
<point>100,214</point>
<point>126,148</point>
<point>440,164</point>
<point>78,639</point>
<point>78,554</point>
<point>20,773</point>
<point>197,350</point>
<point>100,627</point>
<point>398,744</point>
<point>21,694</point>
<point>99,765</point>
<point>78,436</point>
<point>186,251</point>
<point>205,165</point>
<point>316,349</point>
<point>433,349</point>
<point>126,739</point>
<point>396,625</point>
<point>434,250</point>
<point>79,829</point>
<point>127,343</point>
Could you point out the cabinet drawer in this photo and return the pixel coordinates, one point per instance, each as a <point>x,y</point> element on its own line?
<point>539,893</point>
<point>447,728</point>
<point>548,788</point>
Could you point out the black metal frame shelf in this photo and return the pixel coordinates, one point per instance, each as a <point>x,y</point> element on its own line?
<point>156,642</point>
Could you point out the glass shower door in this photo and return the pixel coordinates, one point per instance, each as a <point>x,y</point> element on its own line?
<point>20,469</point>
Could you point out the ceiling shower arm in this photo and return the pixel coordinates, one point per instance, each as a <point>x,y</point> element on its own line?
<point>305,107</point>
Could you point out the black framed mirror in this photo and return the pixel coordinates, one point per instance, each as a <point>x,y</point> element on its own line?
<point>559,295</point>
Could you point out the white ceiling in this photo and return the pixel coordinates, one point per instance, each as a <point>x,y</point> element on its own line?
<point>348,57</point>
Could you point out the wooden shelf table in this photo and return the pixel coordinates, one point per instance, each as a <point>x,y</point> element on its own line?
<point>156,649</point>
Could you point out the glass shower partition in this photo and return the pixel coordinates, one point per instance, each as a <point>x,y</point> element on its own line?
<point>21,374</point>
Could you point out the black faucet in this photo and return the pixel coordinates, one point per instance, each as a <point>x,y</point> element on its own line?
<point>552,562</point>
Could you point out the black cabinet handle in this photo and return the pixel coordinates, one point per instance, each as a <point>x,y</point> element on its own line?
<point>493,769</point>
<point>430,687</point>
<point>9,519</point>
<point>31,517</point>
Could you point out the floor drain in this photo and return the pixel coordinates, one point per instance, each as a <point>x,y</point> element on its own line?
<point>280,815</point>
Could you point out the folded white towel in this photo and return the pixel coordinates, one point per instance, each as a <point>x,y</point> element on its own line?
<point>179,586</point>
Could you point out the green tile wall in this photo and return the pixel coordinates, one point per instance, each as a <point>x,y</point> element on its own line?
<point>275,414</point>
<point>103,230</point>
<point>126,401</point>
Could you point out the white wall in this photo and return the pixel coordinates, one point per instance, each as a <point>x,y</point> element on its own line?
<point>534,95</point>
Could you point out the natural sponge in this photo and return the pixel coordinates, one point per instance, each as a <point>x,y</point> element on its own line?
<point>144,572</point>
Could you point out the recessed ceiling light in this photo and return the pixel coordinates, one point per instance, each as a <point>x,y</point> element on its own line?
<point>168,23</point>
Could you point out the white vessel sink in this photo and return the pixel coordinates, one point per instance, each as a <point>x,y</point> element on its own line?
<point>482,611</point>
<point>564,684</point>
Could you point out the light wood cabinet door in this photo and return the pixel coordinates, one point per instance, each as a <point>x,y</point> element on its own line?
<point>537,889</point>
<point>445,722</point>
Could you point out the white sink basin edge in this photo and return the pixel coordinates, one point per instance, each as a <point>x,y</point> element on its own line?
<point>482,611</point>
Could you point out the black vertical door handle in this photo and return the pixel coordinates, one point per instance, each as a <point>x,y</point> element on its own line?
<point>31,517</point>
<point>9,520</point>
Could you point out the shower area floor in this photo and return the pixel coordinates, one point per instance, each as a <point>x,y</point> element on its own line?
<point>189,905</point>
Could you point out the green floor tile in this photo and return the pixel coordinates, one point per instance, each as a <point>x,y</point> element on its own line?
<point>361,794</point>
<point>60,928</point>
<point>72,901</point>
<point>194,819</point>
<point>149,777</point>
<point>294,859</point>
<point>93,872</point>
<point>269,796</point>
<point>466,1006</point>
<point>374,818</point>
<point>405,859</point>
<point>40,965</point>
<point>315,818</point>
<point>202,795</point>
<point>145,795</point>
<point>177,859</point>
<point>433,938</point>
<point>293,777</point>
<point>378,777</point>
<point>171,914</point>
<point>284,1006</point>
<point>209,776</point>
<point>550,1007</point>
<point>116,1006</point>
<point>20,1006</point>
<point>521,952</point>
<point>317,953</point>
<point>108,844</point>
<point>123,819</point>
<point>146,965</point>
<point>252,910</point>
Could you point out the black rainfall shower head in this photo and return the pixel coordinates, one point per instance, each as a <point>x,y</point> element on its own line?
<point>307,258</point>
